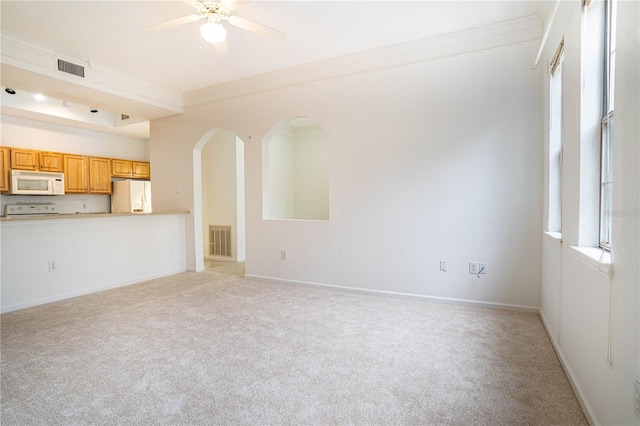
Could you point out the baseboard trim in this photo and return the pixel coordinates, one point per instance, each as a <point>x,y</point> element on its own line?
<point>225,259</point>
<point>573,380</point>
<point>70,295</point>
<point>453,301</point>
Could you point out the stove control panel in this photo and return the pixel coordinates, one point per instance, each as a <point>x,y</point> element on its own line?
<point>32,209</point>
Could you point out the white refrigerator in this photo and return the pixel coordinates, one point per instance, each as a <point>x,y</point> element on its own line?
<point>131,196</point>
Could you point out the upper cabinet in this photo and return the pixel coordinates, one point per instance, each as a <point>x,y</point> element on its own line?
<point>50,161</point>
<point>87,174</point>
<point>99,175</point>
<point>24,159</point>
<point>121,168</point>
<point>28,159</point>
<point>83,174</point>
<point>130,169</point>
<point>4,169</point>
<point>141,170</point>
<point>76,173</point>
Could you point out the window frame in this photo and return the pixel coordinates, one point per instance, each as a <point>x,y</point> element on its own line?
<point>554,174</point>
<point>607,126</point>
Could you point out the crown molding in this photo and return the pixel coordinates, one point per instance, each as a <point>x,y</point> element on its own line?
<point>39,63</point>
<point>503,35</point>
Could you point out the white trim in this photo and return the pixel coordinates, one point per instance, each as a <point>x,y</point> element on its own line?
<point>84,292</point>
<point>573,380</point>
<point>224,259</point>
<point>556,237</point>
<point>597,258</point>
<point>547,30</point>
<point>491,38</point>
<point>453,301</point>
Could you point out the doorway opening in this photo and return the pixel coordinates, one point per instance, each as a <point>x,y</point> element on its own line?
<point>220,227</point>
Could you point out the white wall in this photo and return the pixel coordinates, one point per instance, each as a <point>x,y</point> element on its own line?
<point>241,253</point>
<point>25,133</point>
<point>91,253</point>
<point>438,160</point>
<point>576,300</point>
<point>282,175</point>
<point>312,173</point>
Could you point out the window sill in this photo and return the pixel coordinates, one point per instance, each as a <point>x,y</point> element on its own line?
<point>556,237</point>
<point>595,257</point>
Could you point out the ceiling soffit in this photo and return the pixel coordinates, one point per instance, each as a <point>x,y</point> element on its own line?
<point>33,67</point>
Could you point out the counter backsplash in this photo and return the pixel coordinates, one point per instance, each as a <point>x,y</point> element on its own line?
<point>70,203</point>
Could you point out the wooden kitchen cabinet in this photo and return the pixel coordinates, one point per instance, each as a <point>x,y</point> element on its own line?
<point>99,175</point>
<point>76,173</point>
<point>4,169</point>
<point>24,159</point>
<point>121,168</point>
<point>50,161</point>
<point>141,170</point>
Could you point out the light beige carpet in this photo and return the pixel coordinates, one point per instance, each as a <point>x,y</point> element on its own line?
<point>214,348</point>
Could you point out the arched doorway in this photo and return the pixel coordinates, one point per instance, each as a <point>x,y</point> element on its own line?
<point>219,202</point>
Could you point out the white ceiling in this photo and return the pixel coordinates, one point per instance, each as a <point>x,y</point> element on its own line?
<point>110,33</point>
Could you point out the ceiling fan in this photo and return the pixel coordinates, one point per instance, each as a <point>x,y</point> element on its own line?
<point>214,14</point>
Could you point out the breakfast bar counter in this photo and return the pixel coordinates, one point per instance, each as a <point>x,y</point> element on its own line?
<point>39,217</point>
<point>52,257</point>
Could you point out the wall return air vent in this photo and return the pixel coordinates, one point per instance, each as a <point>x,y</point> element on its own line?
<point>220,240</point>
<point>70,68</point>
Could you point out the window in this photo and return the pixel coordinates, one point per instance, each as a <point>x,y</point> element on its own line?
<point>606,125</point>
<point>554,220</point>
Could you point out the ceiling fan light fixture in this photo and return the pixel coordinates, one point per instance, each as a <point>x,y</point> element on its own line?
<point>213,32</point>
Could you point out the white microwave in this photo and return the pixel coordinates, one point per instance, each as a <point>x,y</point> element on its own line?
<point>36,183</point>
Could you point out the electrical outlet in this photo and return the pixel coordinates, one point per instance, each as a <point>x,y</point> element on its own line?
<point>482,268</point>
<point>443,265</point>
<point>636,398</point>
<point>473,267</point>
<point>284,255</point>
<point>53,266</point>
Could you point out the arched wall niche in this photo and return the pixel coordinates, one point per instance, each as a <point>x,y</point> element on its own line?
<point>295,160</point>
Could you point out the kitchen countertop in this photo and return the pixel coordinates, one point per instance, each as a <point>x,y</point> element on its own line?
<point>62,216</point>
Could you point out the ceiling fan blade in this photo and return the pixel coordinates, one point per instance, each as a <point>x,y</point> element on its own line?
<point>222,49</point>
<point>173,23</point>
<point>254,27</point>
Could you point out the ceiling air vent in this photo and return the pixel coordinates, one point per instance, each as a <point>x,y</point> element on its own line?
<point>124,117</point>
<point>70,68</point>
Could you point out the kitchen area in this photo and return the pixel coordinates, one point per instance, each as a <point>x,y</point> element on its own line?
<point>77,215</point>
<point>35,183</point>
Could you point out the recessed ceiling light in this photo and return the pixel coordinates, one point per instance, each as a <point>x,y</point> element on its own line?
<point>39,97</point>
<point>10,91</point>
<point>93,110</point>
